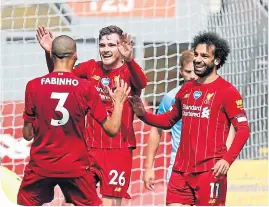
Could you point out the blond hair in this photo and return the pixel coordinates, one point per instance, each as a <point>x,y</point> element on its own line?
<point>186,57</point>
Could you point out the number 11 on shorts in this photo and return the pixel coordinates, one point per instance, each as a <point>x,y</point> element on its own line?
<point>214,189</point>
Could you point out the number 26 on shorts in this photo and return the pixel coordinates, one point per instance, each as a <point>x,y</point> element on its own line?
<point>117,179</point>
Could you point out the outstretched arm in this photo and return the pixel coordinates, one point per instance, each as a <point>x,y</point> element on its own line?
<point>125,47</point>
<point>49,62</point>
<point>112,124</point>
<point>45,38</point>
<point>163,121</point>
<point>138,77</point>
<point>119,96</point>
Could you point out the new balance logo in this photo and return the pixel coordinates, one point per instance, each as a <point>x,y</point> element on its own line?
<point>239,104</point>
<point>205,113</point>
<point>96,77</point>
<point>117,189</point>
<point>212,201</point>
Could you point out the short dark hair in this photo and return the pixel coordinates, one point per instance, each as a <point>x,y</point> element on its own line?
<point>222,48</point>
<point>110,30</point>
<point>63,46</point>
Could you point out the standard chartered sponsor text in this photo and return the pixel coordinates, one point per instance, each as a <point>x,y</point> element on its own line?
<point>193,109</point>
<point>189,113</point>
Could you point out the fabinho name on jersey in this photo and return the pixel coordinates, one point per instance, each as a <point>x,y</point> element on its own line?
<point>59,81</point>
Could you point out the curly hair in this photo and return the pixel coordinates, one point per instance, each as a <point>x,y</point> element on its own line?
<point>110,30</point>
<point>222,48</point>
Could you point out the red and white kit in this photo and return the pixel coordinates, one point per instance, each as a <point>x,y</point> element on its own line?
<point>57,104</point>
<point>207,111</point>
<point>109,172</point>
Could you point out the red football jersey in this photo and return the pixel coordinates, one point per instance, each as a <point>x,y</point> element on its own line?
<point>57,104</point>
<point>93,71</point>
<point>207,111</point>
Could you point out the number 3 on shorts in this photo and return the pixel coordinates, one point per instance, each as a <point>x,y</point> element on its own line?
<point>115,180</point>
<point>214,189</point>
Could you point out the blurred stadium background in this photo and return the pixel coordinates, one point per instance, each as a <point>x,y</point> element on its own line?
<point>161,30</point>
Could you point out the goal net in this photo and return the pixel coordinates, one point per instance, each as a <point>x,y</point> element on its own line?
<point>161,29</point>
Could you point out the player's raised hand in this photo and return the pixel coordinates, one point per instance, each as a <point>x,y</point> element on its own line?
<point>120,94</point>
<point>221,168</point>
<point>149,178</point>
<point>125,47</point>
<point>44,37</point>
<point>137,105</point>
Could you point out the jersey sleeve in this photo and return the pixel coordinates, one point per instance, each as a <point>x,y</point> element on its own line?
<point>29,112</point>
<point>96,107</point>
<point>81,69</point>
<point>138,77</point>
<point>233,104</point>
<point>166,120</point>
<point>234,109</point>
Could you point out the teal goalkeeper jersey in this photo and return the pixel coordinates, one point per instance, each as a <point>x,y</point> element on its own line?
<point>167,101</point>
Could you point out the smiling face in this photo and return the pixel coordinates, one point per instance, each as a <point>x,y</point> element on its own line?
<point>204,60</point>
<point>109,52</point>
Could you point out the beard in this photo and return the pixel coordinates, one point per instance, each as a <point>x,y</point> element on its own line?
<point>207,70</point>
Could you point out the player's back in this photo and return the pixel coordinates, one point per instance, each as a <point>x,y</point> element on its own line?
<point>60,102</point>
